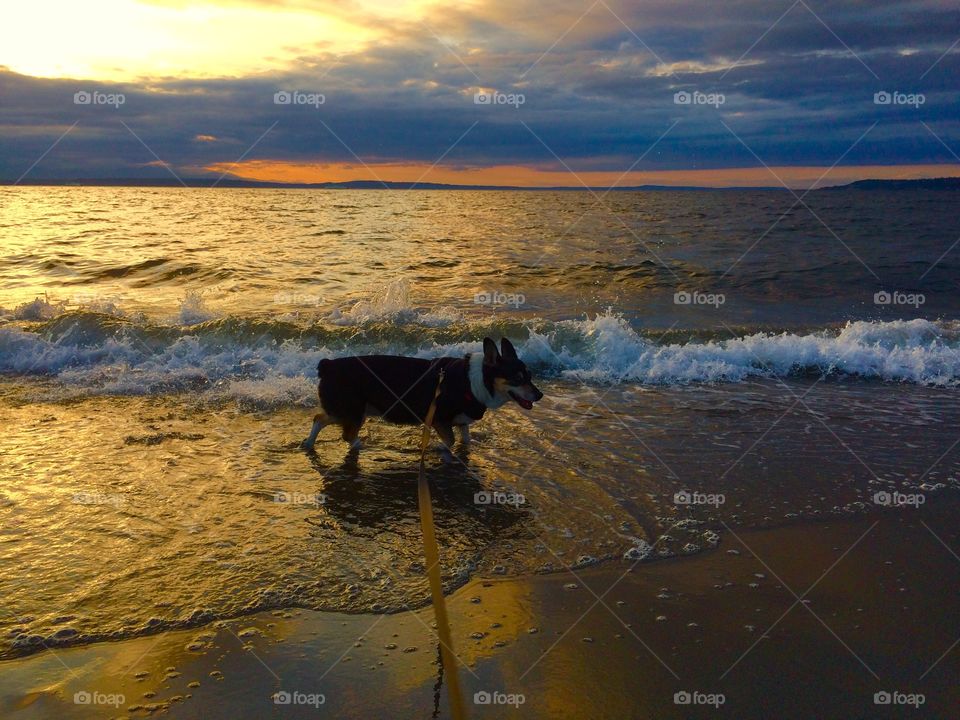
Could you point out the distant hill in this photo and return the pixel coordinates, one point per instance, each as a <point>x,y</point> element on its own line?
<point>946,183</point>
<point>349,185</point>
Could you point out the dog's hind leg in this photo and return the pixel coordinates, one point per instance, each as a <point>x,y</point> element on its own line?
<point>350,432</point>
<point>319,420</point>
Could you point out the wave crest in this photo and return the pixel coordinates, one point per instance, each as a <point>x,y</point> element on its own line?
<point>270,363</point>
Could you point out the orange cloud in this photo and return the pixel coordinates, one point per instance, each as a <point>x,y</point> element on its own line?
<point>525,176</point>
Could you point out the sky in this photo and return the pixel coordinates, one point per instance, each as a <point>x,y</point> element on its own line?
<point>501,92</point>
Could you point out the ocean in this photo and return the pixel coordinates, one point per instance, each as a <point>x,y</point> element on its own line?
<point>711,361</point>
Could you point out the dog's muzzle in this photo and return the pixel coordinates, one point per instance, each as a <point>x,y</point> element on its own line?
<point>526,395</point>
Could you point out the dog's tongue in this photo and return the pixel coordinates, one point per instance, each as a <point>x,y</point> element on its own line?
<point>522,402</point>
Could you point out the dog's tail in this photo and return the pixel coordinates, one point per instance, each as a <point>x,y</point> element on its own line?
<point>321,366</point>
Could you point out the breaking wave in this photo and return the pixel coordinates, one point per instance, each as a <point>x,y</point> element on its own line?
<point>273,362</point>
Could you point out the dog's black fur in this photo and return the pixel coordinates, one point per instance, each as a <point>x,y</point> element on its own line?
<point>400,390</point>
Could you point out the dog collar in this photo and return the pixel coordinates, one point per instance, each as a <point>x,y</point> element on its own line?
<point>478,387</point>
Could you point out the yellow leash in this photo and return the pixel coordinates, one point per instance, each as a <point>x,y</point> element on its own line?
<point>432,554</point>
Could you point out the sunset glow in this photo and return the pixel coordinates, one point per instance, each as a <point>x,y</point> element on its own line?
<point>515,175</point>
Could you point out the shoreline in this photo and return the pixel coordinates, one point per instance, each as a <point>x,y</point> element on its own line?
<point>608,642</point>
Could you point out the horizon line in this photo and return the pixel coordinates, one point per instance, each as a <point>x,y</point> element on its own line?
<point>240,183</point>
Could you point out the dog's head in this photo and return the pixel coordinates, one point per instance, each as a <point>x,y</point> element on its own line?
<point>511,379</point>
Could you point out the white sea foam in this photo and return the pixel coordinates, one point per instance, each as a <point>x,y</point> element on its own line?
<point>393,304</point>
<point>193,309</point>
<point>919,351</point>
<point>603,350</point>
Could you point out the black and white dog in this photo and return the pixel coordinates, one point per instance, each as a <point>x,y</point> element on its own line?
<point>400,390</point>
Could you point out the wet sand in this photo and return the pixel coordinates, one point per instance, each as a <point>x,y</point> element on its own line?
<point>608,642</point>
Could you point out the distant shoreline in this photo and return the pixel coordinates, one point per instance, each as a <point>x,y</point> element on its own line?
<point>944,183</point>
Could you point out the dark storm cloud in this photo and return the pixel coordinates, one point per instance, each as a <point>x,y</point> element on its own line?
<point>802,93</point>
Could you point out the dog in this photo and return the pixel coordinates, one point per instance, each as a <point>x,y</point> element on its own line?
<point>400,390</point>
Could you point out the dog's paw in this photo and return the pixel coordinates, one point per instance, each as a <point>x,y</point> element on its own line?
<point>306,444</point>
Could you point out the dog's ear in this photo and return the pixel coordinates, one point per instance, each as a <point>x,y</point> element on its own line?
<point>491,356</point>
<point>509,352</point>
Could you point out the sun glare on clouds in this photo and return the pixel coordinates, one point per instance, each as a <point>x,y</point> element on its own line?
<point>116,40</point>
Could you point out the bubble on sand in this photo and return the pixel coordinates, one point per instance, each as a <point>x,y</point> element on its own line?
<point>200,642</point>
<point>640,551</point>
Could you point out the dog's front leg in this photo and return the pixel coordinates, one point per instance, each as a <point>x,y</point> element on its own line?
<point>464,435</point>
<point>319,421</point>
<point>446,437</point>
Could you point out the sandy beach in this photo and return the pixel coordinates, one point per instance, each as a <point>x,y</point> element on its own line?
<point>736,625</point>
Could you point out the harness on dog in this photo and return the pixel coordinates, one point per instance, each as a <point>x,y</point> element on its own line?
<point>432,555</point>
